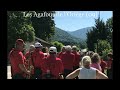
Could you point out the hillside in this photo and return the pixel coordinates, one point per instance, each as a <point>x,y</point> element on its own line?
<point>63,36</point>
<point>81,33</point>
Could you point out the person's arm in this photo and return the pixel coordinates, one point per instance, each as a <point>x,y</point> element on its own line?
<point>73,74</point>
<point>23,68</point>
<point>101,75</point>
<point>21,65</point>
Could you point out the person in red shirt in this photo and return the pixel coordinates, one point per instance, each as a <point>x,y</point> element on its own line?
<point>52,66</point>
<point>103,65</point>
<point>37,57</point>
<point>45,51</point>
<point>17,60</point>
<point>109,65</point>
<point>29,61</point>
<point>63,51</point>
<point>77,58</point>
<point>68,58</point>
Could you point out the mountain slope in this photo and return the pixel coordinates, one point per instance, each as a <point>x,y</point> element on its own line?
<point>81,33</point>
<point>63,36</point>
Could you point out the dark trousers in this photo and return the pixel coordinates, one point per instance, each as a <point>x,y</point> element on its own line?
<point>109,74</point>
<point>17,76</point>
<point>37,74</point>
<point>66,72</point>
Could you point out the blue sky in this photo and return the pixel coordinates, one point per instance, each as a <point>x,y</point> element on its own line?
<point>74,20</point>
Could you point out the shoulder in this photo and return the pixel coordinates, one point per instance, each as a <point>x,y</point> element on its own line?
<point>58,60</point>
<point>72,53</point>
<point>41,53</point>
<point>93,68</point>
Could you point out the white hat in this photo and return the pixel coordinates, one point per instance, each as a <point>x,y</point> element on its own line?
<point>37,44</point>
<point>53,49</point>
<point>84,50</point>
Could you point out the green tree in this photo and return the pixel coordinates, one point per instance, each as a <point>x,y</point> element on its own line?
<point>19,27</point>
<point>98,32</point>
<point>58,45</point>
<point>104,47</point>
<point>44,25</point>
<point>109,26</point>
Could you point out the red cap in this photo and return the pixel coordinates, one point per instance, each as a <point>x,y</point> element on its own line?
<point>19,41</point>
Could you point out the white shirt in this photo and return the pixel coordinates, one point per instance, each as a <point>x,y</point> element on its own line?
<point>87,73</point>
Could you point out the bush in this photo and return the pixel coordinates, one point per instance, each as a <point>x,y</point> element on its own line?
<point>58,45</point>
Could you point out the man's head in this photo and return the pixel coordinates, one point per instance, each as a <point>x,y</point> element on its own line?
<point>110,55</point>
<point>32,48</point>
<point>52,50</point>
<point>68,48</point>
<point>38,45</point>
<point>74,48</point>
<point>20,44</point>
<point>63,49</point>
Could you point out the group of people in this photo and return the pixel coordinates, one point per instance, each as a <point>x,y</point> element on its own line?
<point>47,63</point>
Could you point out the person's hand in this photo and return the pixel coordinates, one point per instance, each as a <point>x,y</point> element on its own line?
<point>31,67</point>
<point>28,72</point>
<point>61,77</point>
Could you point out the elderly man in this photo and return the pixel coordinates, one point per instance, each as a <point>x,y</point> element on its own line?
<point>52,66</point>
<point>68,58</point>
<point>17,60</point>
<point>29,61</point>
<point>37,57</point>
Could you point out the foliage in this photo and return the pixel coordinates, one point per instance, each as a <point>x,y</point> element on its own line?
<point>19,27</point>
<point>58,45</point>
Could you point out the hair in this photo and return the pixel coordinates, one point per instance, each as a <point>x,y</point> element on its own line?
<point>74,48</point>
<point>44,50</point>
<point>64,47</point>
<point>95,58</point>
<point>68,48</point>
<point>85,59</point>
<point>110,55</point>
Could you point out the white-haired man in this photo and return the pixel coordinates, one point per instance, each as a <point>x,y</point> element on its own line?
<point>37,57</point>
<point>68,58</point>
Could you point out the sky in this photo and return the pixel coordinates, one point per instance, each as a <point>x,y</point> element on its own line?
<point>74,20</point>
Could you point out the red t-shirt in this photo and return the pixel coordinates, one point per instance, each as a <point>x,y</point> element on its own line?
<point>28,62</point>
<point>103,65</point>
<point>37,58</point>
<point>16,57</point>
<point>68,59</point>
<point>77,59</point>
<point>109,63</point>
<point>55,66</point>
<point>59,54</point>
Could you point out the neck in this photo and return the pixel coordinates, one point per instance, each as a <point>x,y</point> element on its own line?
<point>87,66</point>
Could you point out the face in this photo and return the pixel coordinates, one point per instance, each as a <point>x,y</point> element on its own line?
<point>21,47</point>
<point>32,49</point>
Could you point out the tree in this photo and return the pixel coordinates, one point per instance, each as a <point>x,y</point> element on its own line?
<point>58,45</point>
<point>104,47</point>
<point>109,26</point>
<point>44,26</point>
<point>19,27</point>
<point>98,32</point>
